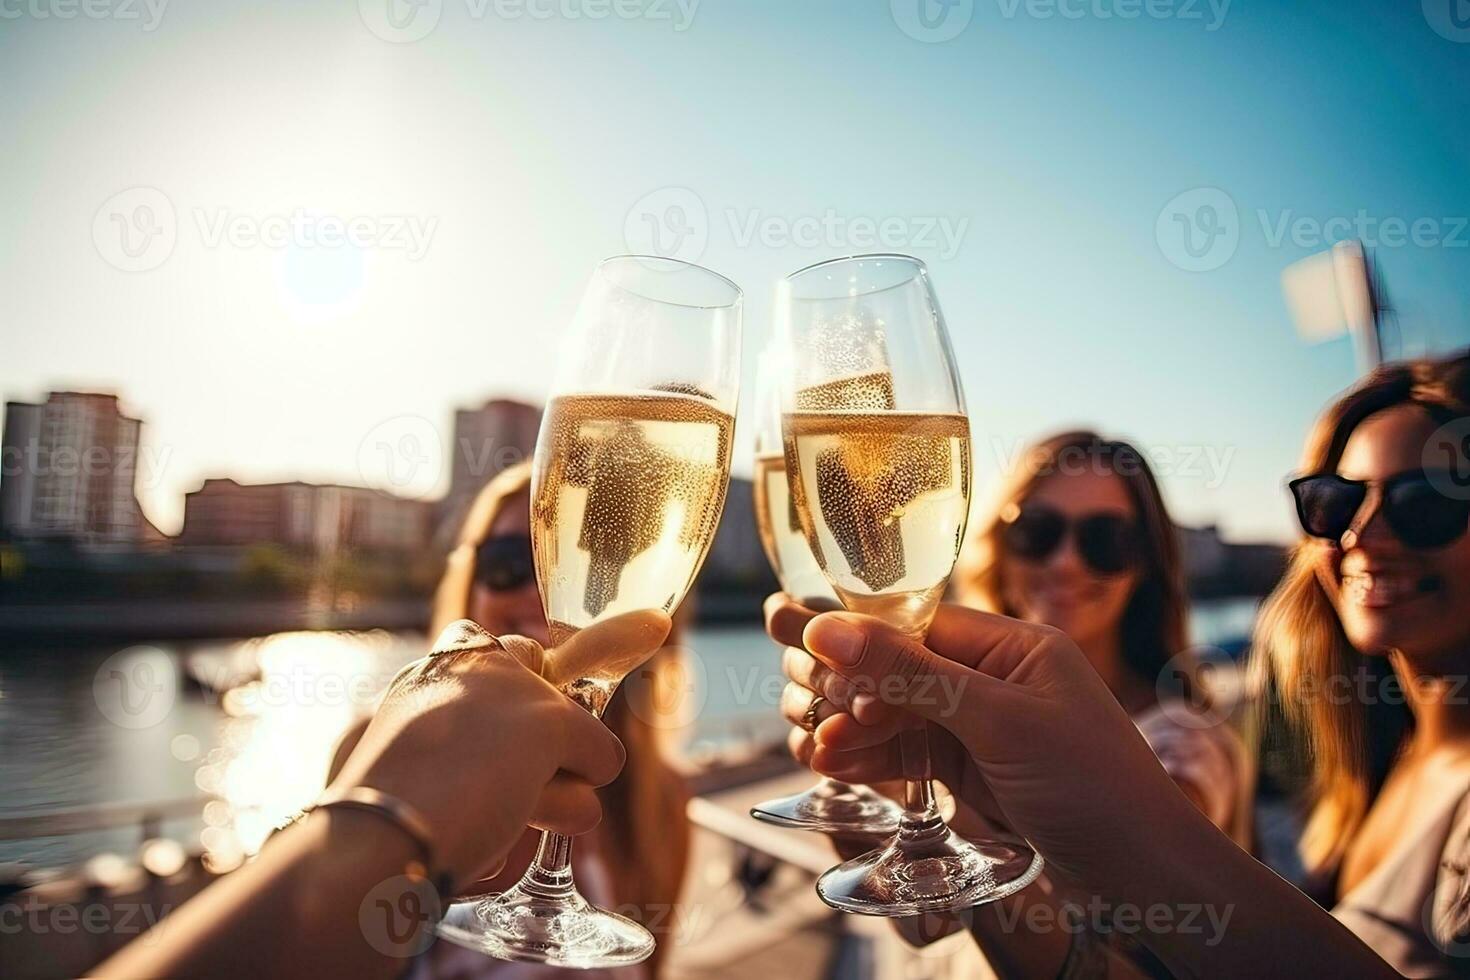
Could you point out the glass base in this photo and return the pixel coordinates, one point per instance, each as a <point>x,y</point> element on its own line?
<point>833,807</point>
<point>937,872</point>
<point>565,931</point>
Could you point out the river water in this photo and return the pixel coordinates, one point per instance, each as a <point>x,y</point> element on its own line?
<point>103,725</point>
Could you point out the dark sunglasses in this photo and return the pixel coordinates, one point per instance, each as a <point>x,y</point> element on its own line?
<point>504,563</point>
<point>1416,511</point>
<point>1108,543</point>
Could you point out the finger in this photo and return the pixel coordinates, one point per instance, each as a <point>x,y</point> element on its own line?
<point>567,806</point>
<point>590,751</point>
<point>613,648</point>
<point>876,764</point>
<point>461,635</point>
<point>900,670</point>
<point>845,733</point>
<point>806,670</point>
<point>530,653</point>
<point>480,882</point>
<point>990,643</point>
<point>786,619</point>
<point>797,701</point>
<point>811,673</point>
<point>801,744</point>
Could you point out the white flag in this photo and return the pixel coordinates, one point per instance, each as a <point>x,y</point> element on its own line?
<point>1329,294</point>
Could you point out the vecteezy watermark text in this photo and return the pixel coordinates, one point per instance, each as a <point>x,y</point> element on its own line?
<point>148,12</point>
<point>136,229</point>
<point>1200,229</point>
<point>674,222</point>
<point>37,918</point>
<point>936,21</point>
<point>406,21</point>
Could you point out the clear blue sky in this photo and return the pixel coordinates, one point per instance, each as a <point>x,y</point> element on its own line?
<point>526,148</point>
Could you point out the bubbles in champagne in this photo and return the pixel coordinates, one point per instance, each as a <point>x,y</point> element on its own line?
<point>886,496</point>
<point>782,537</point>
<point>628,491</point>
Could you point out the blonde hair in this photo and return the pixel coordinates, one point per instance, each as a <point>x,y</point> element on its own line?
<point>1155,621</point>
<point>644,808</point>
<point>1300,646</point>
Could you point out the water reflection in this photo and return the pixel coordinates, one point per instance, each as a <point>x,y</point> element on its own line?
<point>282,720</point>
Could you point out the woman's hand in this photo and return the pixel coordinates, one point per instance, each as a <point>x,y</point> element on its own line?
<point>856,736</point>
<point>476,738</point>
<point>1028,720</point>
<point>479,740</point>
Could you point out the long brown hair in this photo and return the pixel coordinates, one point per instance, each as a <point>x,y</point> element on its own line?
<point>1300,646</point>
<point>1155,621</point>
<point>643,809</point>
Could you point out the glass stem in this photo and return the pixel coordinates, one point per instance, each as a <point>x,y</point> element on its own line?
<point>921,820</point>
<point>550,874</point>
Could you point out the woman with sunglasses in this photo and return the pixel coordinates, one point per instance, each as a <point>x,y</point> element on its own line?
<point>1367,641</point>
<point>1367,644</point>
<point>634,861</point>
<point>1080,541</point>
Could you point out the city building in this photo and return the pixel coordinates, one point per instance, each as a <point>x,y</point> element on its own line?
<point>303,516</point>
<point>486,440</point>
<point>67,471</point>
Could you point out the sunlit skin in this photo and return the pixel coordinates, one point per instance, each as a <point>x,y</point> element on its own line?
<point>1387,595</point>
<point>519,611</point>
<point>516,611</point>
<point>1062,591</point>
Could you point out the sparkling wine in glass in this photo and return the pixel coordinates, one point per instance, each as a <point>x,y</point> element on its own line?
<point>831,805</point>
<point>630,474</point>
<point>877,448</point>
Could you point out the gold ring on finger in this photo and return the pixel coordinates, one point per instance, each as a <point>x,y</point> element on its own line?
<point>809,719</point>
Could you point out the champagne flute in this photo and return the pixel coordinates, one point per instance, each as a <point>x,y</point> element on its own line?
<point>831,805</point>
<point>631,468</point>
<point>877,450</point>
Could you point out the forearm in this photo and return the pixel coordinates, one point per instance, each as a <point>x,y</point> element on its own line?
<point>296,911</point>
<point>1207,908</point>
<point>1031,933</point>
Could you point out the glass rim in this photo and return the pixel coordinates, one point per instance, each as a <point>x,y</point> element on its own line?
<point>646,260</point>
<point>921,271</point>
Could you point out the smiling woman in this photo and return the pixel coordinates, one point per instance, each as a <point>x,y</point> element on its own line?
<point>1367,644</point>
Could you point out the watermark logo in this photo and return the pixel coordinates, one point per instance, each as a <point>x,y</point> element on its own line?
<point>148,12</point>
<point>145,466</point>
<point>136,687</point>
<point>1373,231</point>
<point>1211,13</point>
<point>1190,688</point>
<point>1447,459</point>
<point>403,454</point>
<point>305,228</point>
<point>932,21</point>
<point>670,691</point>
<point>406,21</point>
<point>1199,230</point>
<point>834,231</point>
<point>135,229</point>
<point>1450,19</point>
<point>671,222</point>
<point>34,917</point>
<point>400,21</point>
<point>397,916</point>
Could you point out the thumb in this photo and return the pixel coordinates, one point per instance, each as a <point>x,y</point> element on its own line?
<point>611,648</point>
<point>899,670</point>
